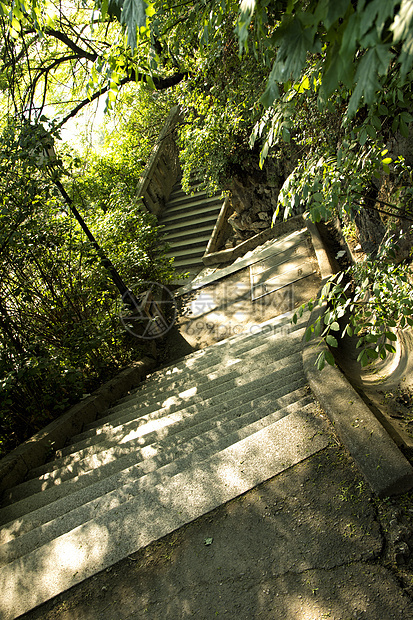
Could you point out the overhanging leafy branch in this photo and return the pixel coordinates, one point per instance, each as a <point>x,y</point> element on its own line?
<point>371,300</point>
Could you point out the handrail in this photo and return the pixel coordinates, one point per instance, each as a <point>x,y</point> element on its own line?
<point>161,171</point>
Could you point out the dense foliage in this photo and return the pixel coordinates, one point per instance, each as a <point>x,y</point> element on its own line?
<point>59,311</point>
<point>323,86</point>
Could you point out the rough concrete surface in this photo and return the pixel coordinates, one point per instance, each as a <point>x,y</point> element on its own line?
<point>33,452</point>
<point>306,545</point>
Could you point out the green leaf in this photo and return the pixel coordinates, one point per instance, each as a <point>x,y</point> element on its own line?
<point>329,357</point>
<point>391,336</point>
<point>320,361</point>
<point>308,333</point>
<point>208,541</point>
<point>363,136</point>
<point>104,9</point>
<point>349,40</point>
<point>374,16</point>
<point>390,348</point>
<point>376,122</point>
<point>247,8</point>
<point>271,92</point>
<point>133,17</point>
<point>331,341</point>
<point>336,9</point>
<point>115,8</point>
<point>402,24</point>
<point>150,81</point>
<point>295,42</point>
<point>317,328</point>
<point>290,6</point>
<point>374,63</point>
<point>325,290</point>
<point>406,56</point>
<point>327,317</point>
<point>363,358</point>
<point>335,326</point>
<point>286,134</point>
<point>408,118</point>
<point>404,130</point>
<point>349,331</point>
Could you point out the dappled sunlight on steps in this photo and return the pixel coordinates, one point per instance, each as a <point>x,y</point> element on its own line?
<point>190,438</point>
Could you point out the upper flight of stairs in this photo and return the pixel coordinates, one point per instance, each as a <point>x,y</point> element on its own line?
<point>193,436</point>
<point>188,222</point>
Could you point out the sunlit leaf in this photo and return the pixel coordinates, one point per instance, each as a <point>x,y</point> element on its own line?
<point>331,341</point>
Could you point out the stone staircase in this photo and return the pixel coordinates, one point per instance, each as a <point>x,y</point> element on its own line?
<point>188,221</point>
<point>193,436</point>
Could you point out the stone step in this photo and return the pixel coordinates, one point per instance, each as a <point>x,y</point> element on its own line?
<point>72,510</point>
<point>191,249</point>
<point>185,235</point>
<point>178,193</point>
<point>199,240</point>
<point>159,424</point>
<point>123,529</point>
<point>190,204</point>
<point>190,252</point>
<point>181,385</point>
<point>81,475</point>
<point>192,396</point>
<point>190,225</point>
<point>189,211</point>
<point>191,266</point>
<point>207,366</point>
<point>184,222</point>
<point>155,387</point>
<point>279,333</point>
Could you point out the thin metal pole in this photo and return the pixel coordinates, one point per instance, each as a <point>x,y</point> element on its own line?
<point>127,296</point>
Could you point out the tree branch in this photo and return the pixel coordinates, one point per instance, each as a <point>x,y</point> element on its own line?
<point>44,71</point>
<point>82,104</point>
<point>61,36</point>
<point>160,84</point>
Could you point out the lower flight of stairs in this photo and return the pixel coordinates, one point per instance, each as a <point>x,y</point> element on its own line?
<point>193,436</point>
<point>188,221</point>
